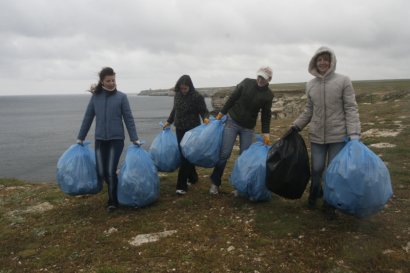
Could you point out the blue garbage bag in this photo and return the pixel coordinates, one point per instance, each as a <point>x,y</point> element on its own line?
<point>357,181</point>
<point>249,173</point>
<point>138,182</point>
<point>76,171</point>
<point>165,152</point>
<point>201,145</point>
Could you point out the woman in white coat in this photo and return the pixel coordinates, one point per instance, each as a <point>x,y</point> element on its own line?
<point>332,114</point>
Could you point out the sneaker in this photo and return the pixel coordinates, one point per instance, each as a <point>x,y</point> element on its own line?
<point>180,192</point>
<point>214,189</point>
<point>235,193</point>
<point>111,208</point>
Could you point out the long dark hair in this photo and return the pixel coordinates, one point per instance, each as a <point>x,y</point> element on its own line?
<point>106,71</point>
<point>185,80</point>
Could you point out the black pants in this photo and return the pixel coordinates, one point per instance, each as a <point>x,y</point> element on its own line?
<point>187,171</point>
<point>107,155</point>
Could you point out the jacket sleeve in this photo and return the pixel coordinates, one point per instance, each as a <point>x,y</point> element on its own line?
<point>232,98</point>
<point>128,119</point>
<point>351,109</point>
<point>87,120</point>
<point>202,109</point>
<point>307,113</point>
<point>266,116</point>
<point>171,117</point>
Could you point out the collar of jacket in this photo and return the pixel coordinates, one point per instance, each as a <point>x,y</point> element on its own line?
<point>109,93</point>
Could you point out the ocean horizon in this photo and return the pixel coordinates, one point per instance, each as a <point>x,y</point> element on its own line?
<point>37,129</point>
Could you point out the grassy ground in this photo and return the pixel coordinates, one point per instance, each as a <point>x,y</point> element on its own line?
<point>43,230</point>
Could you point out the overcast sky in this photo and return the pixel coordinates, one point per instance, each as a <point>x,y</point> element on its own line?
<point>58,46</point>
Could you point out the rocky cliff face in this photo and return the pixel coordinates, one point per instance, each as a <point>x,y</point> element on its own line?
<point>286,103</point>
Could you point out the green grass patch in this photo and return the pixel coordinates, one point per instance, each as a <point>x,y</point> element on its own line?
<point>217,233</point>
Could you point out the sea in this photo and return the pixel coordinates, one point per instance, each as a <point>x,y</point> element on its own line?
<point>36,130</point>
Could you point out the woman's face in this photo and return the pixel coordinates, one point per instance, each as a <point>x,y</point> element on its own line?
<point>323,63</point>
<point>184,89</point>
<point>109,82</point>
<point>261,81</point>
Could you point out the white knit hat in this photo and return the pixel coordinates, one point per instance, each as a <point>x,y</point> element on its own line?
<point>265,72</point>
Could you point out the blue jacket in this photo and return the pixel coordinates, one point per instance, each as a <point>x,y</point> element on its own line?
<point>109,110</point>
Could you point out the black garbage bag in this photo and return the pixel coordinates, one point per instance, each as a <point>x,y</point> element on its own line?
<point>287,166</point>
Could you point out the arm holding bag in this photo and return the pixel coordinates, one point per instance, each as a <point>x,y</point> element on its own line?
<point>76,171</point>
<point>165,152</point>
<point>249,173</point>
<point>357,181</point>
<point>287,166</point>
<point>138,182</point>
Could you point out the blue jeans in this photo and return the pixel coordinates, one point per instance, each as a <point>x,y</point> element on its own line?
<point>107,156</point>
<point>319,152</point>
<point>231,130</point>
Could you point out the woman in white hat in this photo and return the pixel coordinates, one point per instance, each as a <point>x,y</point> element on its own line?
<point>250,97</point>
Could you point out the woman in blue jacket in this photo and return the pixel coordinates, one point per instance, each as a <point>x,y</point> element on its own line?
<point>110,108</point>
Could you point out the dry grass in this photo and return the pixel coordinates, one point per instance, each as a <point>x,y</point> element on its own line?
<point>213,233</point>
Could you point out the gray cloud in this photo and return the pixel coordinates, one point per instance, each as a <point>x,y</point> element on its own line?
<point>55,46</point>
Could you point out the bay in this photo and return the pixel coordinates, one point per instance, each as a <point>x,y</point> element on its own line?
<point>36,130</point>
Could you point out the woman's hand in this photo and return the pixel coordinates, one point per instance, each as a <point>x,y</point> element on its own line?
<point>166,125</point>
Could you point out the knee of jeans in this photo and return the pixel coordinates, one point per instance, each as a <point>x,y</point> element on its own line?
<point>317,169</point>
<point>111,175</point>
<point>101,174</point>
<point>224,156</point>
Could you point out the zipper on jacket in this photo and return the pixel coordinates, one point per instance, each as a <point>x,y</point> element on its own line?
<point>324,111</point>
<point>105,117</point>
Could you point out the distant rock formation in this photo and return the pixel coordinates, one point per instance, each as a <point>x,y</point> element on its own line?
<point>157,92</point>
<point>206,92</point>
<point>288,103</point>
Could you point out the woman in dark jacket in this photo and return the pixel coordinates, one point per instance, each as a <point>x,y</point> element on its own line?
<point>250,97</point>
<point>110,108</point>
<point>189,106</point>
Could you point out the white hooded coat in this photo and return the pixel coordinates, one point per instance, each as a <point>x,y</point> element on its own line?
<point>331,107</point>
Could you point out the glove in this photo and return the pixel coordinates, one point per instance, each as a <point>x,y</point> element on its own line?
<point>354,137</point>
<point>219,116</point>
<point>206,121</point>
<point>167,124</point>
<point>137,142</point>
<point>266,139</point>
<point>80,142</point>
